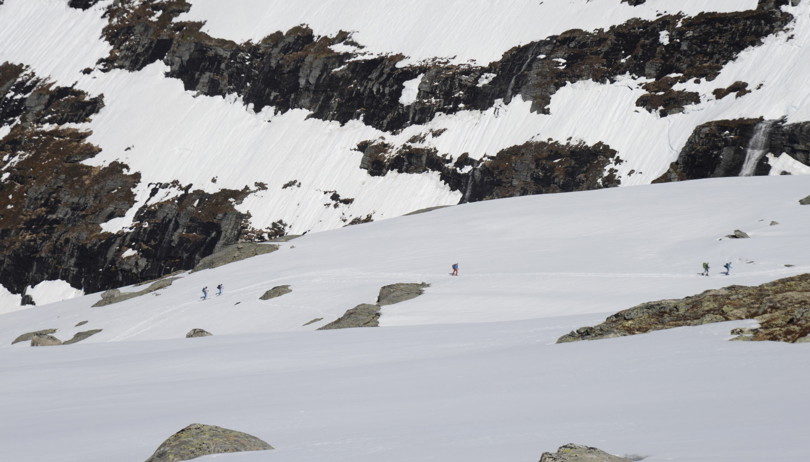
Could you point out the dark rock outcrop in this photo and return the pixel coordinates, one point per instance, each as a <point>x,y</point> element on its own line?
<point>805,201</point>
<point>197,332</point>
<point>715,149</point>
<point>792,139</point>
<point>719,148</point>
<point>198,440</point>
<point>530,168</point>
<point>275,292</point>
<point>52,206</point>
<point>782,309</point>
<point>82,4</point>
<point>543,167</point>
<point>579,453</point>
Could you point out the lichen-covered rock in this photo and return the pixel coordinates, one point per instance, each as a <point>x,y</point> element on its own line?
<point>578,453</point>
<point>781,307</point>
<point>28,336</point>
<point>395,293</point>
<point>363,315</point>
<point>44,340</point>
<point>198,440</point>
<point>275,292</point>
<point>198,333</point>
<point>234,253</point>
<point>116,296</point>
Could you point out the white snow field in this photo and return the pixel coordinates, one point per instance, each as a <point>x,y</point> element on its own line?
<point>467,371</point>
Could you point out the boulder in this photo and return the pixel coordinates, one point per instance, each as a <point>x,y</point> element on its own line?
<point>28,336</point>
<point>198,440</point>
<point>363,315</point>
<point>111,294</point>
<point>198,333</point>
<point>738,235</point>
<point>805,201</point>
<point>276,291</point>
<point>44,340</point>
<point>395,293</point>
<point>578,453</point>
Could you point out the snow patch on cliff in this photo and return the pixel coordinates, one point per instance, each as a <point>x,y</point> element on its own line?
<point>459,30</point>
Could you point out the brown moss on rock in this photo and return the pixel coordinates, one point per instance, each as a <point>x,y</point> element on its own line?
<point>781,307</point>
<point>198,440</point>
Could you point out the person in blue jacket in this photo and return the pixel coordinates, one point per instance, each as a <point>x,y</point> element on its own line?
<point>455,270</point>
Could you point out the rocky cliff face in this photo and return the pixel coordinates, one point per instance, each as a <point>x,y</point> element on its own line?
<point>296,69</point>
<point>719,149</point>
<point>782,308</point>
<point>52,206</point>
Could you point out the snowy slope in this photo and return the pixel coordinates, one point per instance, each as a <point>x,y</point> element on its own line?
<point>467,371</point>
<point>167,134</point>
<point>458,30</point>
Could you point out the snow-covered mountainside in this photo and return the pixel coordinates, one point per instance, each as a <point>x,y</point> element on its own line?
<point>138,136</point>
<point>469,370</point>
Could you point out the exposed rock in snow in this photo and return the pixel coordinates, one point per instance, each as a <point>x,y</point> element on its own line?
<point>193,333</point>
<point>779,306</point>
<point>363,315</point>
<point>115,296</point>
<point>579,453</point>
<point>233,253</point>
<point>198,440</point>
<point>28,336</point>
<point>44,340</point>
<point>738,235</point>
<point>79,336</point>
<point>395,293</point>
<point>275,292</point>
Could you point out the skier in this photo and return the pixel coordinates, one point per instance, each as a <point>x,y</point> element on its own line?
<point>705,269</point>
<point>205,293</point>
<point>727,266</point>
<point>455,270</point>
<point>219,290</point>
